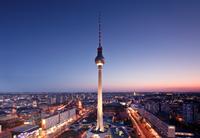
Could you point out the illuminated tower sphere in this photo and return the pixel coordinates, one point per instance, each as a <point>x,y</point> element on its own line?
<point>99,60</point>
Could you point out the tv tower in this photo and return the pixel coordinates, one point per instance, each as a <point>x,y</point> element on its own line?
<point>99,60</point>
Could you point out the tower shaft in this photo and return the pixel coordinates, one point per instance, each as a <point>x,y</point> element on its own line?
<point>100,126</point>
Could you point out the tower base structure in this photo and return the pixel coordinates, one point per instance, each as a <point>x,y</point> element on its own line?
<point>93,133</point>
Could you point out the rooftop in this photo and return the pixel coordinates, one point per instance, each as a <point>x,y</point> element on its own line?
<point>9,117</point>
<point>119,132</point>
<point>25,128</point>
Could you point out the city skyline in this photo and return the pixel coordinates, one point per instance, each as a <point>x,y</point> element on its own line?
<point>50,46</point>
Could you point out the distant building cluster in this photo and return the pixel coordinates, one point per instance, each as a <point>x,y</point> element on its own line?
<point>181,110</point>
<point>73,114</point>
<point>30,115</point>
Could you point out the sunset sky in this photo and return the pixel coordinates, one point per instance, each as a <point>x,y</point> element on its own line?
<point>51,45</point>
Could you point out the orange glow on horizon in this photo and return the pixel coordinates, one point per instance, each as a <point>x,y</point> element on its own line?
<point>154,87</point>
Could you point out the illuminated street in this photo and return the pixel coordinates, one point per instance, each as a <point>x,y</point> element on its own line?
<point>144,130</point>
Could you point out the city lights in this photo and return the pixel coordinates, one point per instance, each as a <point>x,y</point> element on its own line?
<point>148,88</point>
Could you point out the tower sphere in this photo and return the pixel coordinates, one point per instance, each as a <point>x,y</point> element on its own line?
<point>99,60</point>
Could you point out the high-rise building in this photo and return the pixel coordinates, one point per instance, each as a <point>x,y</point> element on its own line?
<point>191,112</point>
<point>99,60</point>
<point>34,103</point>
<point>188,112</point>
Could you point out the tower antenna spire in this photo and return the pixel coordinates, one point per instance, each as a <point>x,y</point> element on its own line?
<point>99,22</point>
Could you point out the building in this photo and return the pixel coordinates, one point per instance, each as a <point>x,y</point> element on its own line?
<point>188,112</point>
<point>79,104</point>
<point>53,120</point>
<point>25,131</point>
<point>34,103</point>
<point>10,121</point>
<point>119,132</point>
<point>52,100</point>
<point>163,128</point>
<point>191,112</point>
<point>152,106</point>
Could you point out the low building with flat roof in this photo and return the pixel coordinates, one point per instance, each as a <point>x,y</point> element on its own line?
<point>119,132</point>
<point>27,131</point>
<point>10,121</point>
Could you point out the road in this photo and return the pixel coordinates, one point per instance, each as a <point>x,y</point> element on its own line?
<point>138,129</point>
<point>144,129</point>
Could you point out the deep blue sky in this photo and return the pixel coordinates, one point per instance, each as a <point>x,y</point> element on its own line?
<point>51,45</point>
